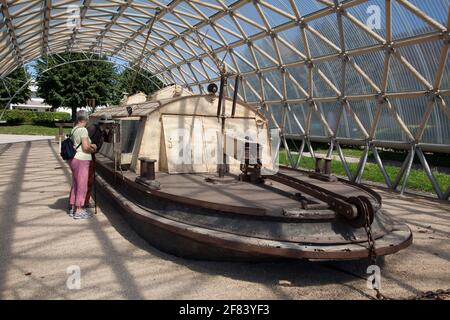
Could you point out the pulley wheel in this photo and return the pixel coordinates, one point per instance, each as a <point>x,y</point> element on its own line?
<point>370,211</point>
<point>361,206</point>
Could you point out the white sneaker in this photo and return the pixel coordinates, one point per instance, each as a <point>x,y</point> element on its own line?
<point>82,215</point>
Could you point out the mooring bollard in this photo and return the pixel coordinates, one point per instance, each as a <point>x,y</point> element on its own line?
<point>147,168</point>
<point>323,169</point>
<point>147,174</point>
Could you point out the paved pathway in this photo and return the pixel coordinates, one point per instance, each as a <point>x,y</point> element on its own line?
<point>12,138</point>
<point>38,242</point>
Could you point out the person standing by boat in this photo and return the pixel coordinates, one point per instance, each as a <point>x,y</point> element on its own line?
<point>98,133</point>
<point>80,166</point>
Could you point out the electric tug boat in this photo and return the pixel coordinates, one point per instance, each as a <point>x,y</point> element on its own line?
<point>194,175</point>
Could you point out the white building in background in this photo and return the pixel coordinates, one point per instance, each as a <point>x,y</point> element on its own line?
<point>35,103</point>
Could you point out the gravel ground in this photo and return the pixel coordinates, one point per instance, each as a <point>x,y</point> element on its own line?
<point>39,242</point>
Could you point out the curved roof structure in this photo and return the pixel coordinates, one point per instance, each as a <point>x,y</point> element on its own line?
<point>349,71</point>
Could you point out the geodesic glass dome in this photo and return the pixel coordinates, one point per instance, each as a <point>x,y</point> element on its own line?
<point>373,73</point>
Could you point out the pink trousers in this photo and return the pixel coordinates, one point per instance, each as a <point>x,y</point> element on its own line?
<point>80,176</point>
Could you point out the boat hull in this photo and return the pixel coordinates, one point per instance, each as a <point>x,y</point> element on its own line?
<point>192,241</point>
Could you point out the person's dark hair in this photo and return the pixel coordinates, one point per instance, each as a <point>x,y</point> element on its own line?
<point>82,115</point>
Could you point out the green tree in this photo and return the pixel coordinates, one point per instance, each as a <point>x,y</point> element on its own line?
<point>144,82</point>
<point>10,85</point>
<point>71,84</point>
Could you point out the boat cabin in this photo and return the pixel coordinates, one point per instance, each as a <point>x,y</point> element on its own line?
<point>183,132</point>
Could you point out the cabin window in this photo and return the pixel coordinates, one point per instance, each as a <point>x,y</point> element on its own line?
<point>129,130</point>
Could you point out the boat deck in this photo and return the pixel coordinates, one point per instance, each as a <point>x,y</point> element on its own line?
<point>270,198</point>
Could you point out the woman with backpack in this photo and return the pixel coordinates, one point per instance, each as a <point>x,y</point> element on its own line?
<point>79,165</point>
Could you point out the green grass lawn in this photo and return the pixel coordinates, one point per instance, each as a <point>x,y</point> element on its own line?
<point>31,129</point>
<point>436,159</point>
<point>418,179</point>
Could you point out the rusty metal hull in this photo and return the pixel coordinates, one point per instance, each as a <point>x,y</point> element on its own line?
<point>198,231</point>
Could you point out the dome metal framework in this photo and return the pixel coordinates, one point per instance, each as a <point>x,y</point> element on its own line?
<point>373,73</point>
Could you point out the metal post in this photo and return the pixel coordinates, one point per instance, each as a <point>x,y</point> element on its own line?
<point>425,165</point>
<point>361,165</point>
<point>330,150</point>
<point>300,153</point>
<point>221,95</point>
<point>408,169</point>
<point>235,95</point>
<point>446,194</point>
<point>402,171</point>
<point>288,151</point>
<point>381,166</point>
<point>344,162</point>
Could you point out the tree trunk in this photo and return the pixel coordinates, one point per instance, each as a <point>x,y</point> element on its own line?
<point>74,114</point>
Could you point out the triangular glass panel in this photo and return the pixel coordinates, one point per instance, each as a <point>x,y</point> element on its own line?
<point>388,128</point>
<point>274,18</point>
<point>331,111</point>
<point>294,37</point>
<point>411,111</point>
<point>292,91</point>
<point>355,83</point>
<point>327,26</point>
<point>174,22</point>
<point>436,9</point>
<point>210,37</point>
<point>438,127</point>
<point>372,65</point>
<point>321,88</point>
<point>272,86</point>
<point>249,11</point>
<point>372,14</point>
<point>265,45</point>
<point>307,7</point>
<point>316,128</point>
<point>348,127</point>
<point>251,85</point>
<point>406,24</point>
<point>419,57</point>
<point>187,13</point>
<point>277,111</point>
<point>401,79</point>
<point>287,54</point>
<point>227,23</point>
<point>332,70</point>
<point>300,74</point>
<point>205,9</point>
<point>243,58</point>
<point>301,112</point>
<point>355,37</point>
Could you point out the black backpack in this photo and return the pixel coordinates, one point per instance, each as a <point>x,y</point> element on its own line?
<point>68,150</point>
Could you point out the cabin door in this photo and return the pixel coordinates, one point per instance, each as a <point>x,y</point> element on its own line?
<point>184,144</point>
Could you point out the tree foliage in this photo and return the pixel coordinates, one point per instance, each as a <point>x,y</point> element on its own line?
<point>72,84</point>
<point>144,82</point>
<point>11,85</point>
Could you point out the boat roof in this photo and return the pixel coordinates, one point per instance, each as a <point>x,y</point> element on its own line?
<point>141,109</point>
<point>157,100</point>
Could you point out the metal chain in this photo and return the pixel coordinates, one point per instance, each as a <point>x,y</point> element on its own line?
<point>432,295</point>
<point>372,253</point>
<point>428,295</point>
